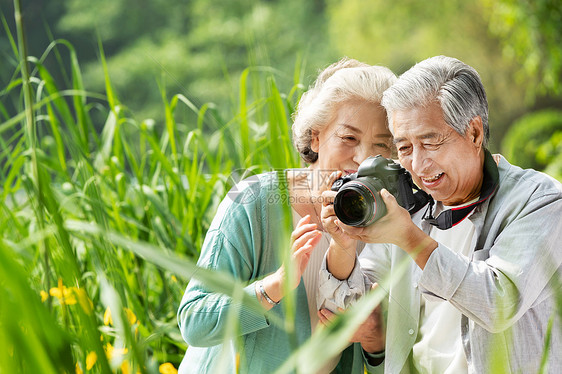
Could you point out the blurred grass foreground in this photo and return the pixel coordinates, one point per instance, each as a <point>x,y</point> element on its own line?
<point>103,215</point>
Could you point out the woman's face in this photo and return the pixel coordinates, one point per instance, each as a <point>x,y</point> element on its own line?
<point>357,130</point>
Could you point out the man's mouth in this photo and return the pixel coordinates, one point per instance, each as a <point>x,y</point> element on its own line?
<point>432,179</point>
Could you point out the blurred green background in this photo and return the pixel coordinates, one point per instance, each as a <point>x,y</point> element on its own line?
<point>199,47</point>
<point>133,118</point>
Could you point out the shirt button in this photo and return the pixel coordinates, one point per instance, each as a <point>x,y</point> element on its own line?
<point>415,285</point>
<point>411,331</point>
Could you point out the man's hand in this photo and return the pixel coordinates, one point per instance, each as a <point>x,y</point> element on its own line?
<point>395,227</point>
<point>391,228</point>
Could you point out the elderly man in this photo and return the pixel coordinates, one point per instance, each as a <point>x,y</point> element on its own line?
<point>485,258</point>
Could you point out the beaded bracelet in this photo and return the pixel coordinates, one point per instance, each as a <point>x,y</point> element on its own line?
<point>265,295</point>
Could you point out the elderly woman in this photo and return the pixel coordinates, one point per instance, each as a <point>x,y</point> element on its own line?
<point>338,124</point>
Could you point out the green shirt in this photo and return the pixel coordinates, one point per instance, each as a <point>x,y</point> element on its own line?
<point>246,240</point>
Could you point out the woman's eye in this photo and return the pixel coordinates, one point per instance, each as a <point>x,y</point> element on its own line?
<point>382,145</point>
<point>349,138</point>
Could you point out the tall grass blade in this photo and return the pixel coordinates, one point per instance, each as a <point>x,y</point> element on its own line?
<point>329,341</point>
<point>39,345</point>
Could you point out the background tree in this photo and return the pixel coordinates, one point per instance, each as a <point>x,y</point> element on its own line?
<point>530,33</point>
<point>403,32</point>
<point>200,47</point>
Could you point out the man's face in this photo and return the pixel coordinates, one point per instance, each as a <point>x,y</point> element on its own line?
<point>443,163</point>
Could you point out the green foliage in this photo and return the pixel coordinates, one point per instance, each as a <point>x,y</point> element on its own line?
<point>199,47</point>
<point>550,153</point>
<point>534,140</point>
<point>400,33</point>
<point>41,337</point>
<point>403,32</point>
<point>103,213</point>
<point>103,216</point>
<point>530,33</point>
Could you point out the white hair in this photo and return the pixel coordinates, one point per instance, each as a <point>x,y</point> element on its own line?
<point>345,80</point>
<point>455,85</point>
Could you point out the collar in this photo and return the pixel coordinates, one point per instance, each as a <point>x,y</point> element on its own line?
<point>449,218</point>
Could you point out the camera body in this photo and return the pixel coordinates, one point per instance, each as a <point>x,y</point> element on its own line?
<point>358,202</point>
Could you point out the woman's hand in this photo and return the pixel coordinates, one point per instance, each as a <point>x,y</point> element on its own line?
<point>329,218</point>
<point>304,239</point>
<point>340,259</point>
<point>371,333</point>
<point>329,221</point>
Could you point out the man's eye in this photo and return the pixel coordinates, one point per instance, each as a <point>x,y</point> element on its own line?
<point>403,148</point>
<point>431,145</point>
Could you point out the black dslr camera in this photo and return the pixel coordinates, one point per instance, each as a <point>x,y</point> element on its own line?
<point>358,202</point>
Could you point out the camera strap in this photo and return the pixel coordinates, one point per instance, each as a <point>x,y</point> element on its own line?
<point>449,218</point>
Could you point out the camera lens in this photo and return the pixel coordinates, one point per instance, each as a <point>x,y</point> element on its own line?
<point>358,203</point>
<point>353,205</point>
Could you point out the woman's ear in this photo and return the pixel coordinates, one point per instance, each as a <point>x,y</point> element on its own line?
<point>476,131</point>
<point>315,140</point>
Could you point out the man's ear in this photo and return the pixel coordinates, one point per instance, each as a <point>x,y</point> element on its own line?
<point>315,141</point>
<point>476,132</point>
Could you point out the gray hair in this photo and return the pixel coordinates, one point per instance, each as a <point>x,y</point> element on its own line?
<point>345,80</point>
<point>454,84</point>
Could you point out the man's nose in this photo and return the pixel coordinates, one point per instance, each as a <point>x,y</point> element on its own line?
<point>420,161</point>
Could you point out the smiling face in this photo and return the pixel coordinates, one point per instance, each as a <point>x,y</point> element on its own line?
<point>442,162</point>
<point>357,130</point>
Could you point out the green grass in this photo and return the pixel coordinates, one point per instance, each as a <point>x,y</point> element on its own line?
<point>111,214</point>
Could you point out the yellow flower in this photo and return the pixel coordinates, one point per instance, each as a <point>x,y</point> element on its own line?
<point>64,294</point>
<point>125,368</point>
<point>167,368</point>
<point>91,359</point>
<point>78,370</point>
<point>44,295</point>
<point>110,351</point>
<point>131,316</point>
<point>174,279</point>
<point>107,317</point>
